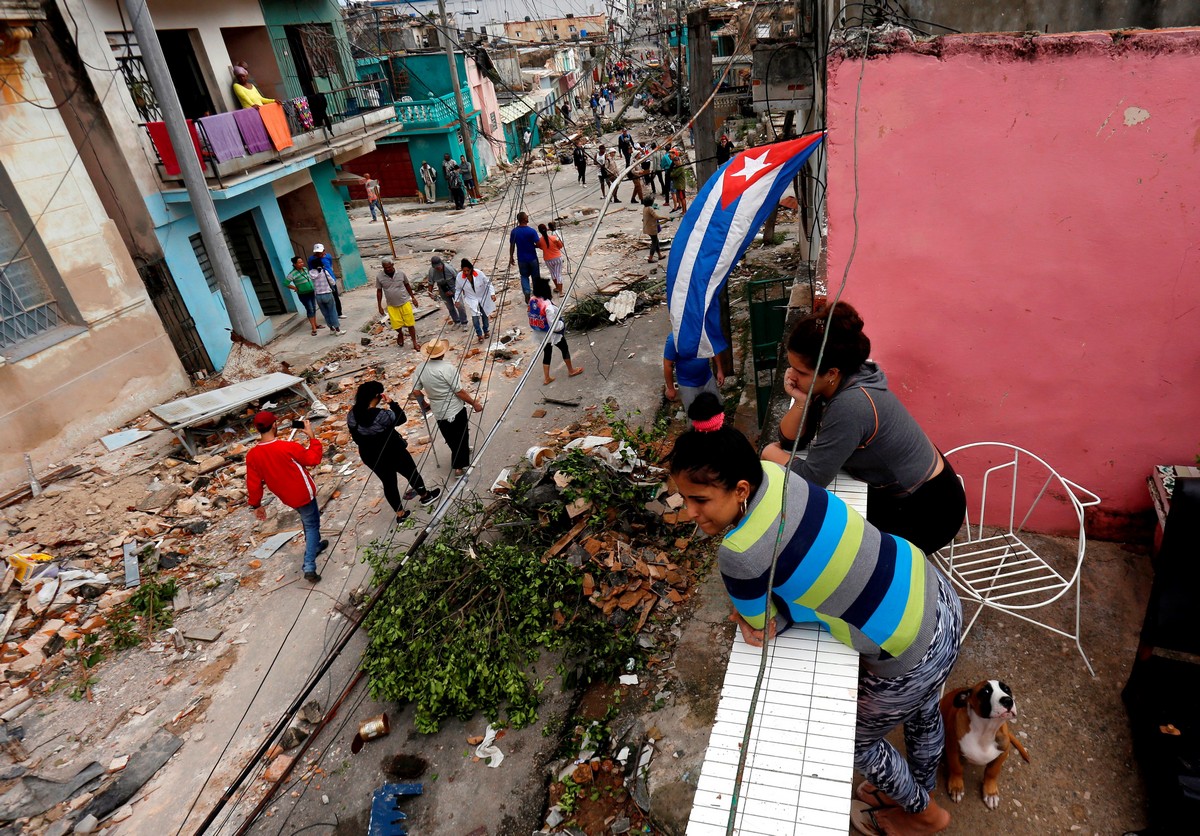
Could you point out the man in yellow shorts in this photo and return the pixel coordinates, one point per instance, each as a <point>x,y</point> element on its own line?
<point>391,285</point>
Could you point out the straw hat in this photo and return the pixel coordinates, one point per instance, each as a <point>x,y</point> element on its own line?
<point>435,348</point>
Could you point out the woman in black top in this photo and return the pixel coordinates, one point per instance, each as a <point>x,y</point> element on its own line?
<point>383,449</point>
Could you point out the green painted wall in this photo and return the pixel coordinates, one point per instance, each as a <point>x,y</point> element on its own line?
<point>341,236</point>
<point>429,74</point>
<point>281,13</point>
<point>431,147</point>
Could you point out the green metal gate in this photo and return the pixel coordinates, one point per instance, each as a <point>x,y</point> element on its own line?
<point>767,300</point>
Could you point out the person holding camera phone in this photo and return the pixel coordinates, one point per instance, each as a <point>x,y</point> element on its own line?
<point>282,465</point>
<point>372,422</point>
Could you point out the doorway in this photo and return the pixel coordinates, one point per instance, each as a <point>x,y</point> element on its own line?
<point>186,72</point>
<point>313,51</point>
<point>250,259</point>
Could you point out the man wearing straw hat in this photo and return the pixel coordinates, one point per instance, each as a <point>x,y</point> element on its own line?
<point>438,381</point>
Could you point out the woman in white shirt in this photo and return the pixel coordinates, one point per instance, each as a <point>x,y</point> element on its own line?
<point>474,290</point>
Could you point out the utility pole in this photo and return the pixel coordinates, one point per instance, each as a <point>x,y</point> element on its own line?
<point>241,318</point>
<point>679,59</point>
<point>700,85</point>
<point>458,99</point>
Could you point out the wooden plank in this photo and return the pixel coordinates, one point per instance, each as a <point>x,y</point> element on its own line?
<point>24,492</point>
<point>566,539</point>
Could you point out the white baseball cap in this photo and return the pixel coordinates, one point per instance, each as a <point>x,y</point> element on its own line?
<point>318,248</point>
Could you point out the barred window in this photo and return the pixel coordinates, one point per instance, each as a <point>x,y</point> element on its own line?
<point>27,307</point>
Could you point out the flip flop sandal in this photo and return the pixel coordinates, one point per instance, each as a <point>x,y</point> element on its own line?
<point>401,516</point>
<point>862,818</point>
<point>870,794</point>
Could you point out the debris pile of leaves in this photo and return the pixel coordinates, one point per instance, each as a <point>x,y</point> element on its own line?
<point>578,557</point>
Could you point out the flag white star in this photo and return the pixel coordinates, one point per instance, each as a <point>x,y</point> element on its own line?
<point>752,165</point>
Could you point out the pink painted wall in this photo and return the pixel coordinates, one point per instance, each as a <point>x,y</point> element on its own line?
<point>1028,260</point>
<point>483,95</point>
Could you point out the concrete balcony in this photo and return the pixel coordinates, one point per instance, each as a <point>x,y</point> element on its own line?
<point>356,117</point>
<point>431,115</point>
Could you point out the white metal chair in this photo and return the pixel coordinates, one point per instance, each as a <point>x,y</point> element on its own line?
<point>996,566</point>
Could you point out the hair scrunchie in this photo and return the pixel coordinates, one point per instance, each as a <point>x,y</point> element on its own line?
<point>710,425</point>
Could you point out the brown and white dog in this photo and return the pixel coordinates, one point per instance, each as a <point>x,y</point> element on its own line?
<point>977,732</point>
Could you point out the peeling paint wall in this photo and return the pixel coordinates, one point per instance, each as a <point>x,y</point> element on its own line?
<point>1029,245</point>
<point>1053,15</point>
<point>60,399</point>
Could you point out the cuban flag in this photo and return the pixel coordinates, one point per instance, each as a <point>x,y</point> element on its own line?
<point>714,232</point>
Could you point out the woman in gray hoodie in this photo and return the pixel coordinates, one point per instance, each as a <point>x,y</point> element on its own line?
<point>856,424</point>
<point>384,450</point>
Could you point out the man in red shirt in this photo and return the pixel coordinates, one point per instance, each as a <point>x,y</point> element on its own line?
<point>281,465</point>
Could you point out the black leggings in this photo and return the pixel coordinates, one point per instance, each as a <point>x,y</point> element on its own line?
<point>548,351</point>
<point>396,461</point>
<point>456,432</point>
<point>928,518</point>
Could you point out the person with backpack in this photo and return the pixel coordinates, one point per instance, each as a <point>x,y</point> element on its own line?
<point>299,281</point>
<point>325,289</point>
<point>664,170</point>
<point>542,313</point>
<point>320,258</point>
<point>440,280</point>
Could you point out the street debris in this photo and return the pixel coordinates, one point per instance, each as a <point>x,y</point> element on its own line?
<point>377,726</point>
<point>488,750</point>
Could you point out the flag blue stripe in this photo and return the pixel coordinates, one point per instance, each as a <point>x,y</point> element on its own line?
<point>700,318</point>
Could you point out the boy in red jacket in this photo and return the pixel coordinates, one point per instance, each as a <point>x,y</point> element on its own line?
<point>281,465</point>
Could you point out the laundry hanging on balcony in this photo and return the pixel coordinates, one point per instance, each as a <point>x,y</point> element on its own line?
<point>166,151</point>
<point>303,112</point>
<point>224,138</point>
<point>719,224</point>
<point>254,132</point>
<point>275,121</point>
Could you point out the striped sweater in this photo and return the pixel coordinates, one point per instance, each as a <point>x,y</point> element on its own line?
<point>874,592</point>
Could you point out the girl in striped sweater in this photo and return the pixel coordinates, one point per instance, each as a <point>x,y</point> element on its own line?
<point>873,591</point>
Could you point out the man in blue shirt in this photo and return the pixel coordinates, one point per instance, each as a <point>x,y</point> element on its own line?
<point>695,375</point>
<point>522,245</point>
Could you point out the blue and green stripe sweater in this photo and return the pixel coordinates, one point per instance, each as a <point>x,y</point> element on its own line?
<point>874,592</point>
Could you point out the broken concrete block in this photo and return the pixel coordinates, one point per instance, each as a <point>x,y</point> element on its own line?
<point>202,634</point>
<point>278,768</point>
<point>117,764</point>
<point>210,463</point>
<point>311,712</point>
<point>28,664</point>
<point>52,626</point>
<point>292,737</point>
<point>161,498</point>
<point>34,644</point>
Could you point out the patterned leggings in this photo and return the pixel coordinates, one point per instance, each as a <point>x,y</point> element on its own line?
<point>911,699</point>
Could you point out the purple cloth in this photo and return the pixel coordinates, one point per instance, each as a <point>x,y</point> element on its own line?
<point>254,132</point>
<point>223,136</point>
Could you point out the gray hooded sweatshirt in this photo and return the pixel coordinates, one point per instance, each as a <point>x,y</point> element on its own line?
<point>865,430</point>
